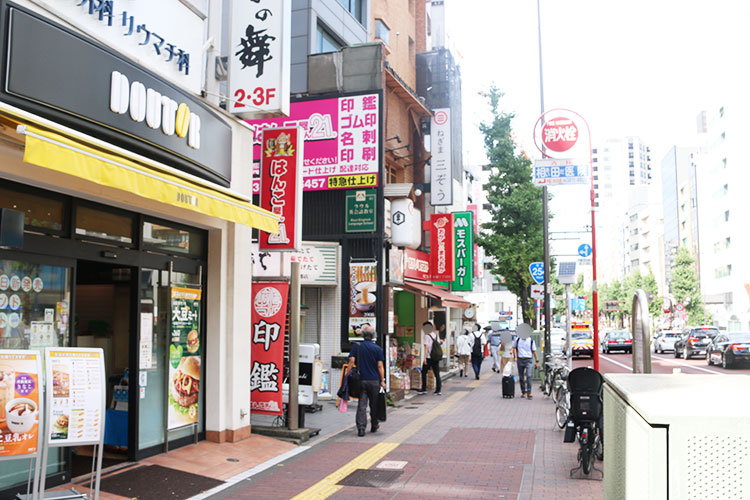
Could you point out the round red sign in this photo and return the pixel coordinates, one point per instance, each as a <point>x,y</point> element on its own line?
<point>441,117</point>
<point>559,134</point>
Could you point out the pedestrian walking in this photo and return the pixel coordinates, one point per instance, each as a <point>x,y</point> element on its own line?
<point>369,358</point>
<point>463,347</point>
<point>478,341</point>
<point>432,355</point>
<point>495,342</point>
<point>524,348</point>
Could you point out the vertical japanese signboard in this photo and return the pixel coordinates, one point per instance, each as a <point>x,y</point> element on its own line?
<point>259,61</point>
<point>281,160</point>
<point>441,181</point>
<point>267,346</point>
<point>342,141</point>
<point>363,287</point>
<point>441,247</point>
<point>475,250</point>
<point>20,403</point>
<point>76,388</point>
<point>184,357</point>
<point>463,223</point>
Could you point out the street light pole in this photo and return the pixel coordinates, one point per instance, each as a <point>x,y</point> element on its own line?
<point>545,197</point>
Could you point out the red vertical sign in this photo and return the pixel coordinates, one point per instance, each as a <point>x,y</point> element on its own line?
<point>441,247</point>
<point>267,346</point>
<point>281,186</point>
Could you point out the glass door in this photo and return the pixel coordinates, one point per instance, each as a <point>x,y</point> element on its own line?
<point>156,393</point>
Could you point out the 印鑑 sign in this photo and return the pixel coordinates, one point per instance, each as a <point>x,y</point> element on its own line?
<point>463,224</point>
<point>267,346</point>
<point>282,190</point>
<point>184,357</point>
<point>342,140</point>
<point>260,36</point>
<point>548,172</point>
<point>19,402</point>
<point>441,247</point>
<point>361,214</point>
<point>363,289</point>
<point>441,180</point>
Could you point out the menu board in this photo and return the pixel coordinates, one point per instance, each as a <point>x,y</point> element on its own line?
<point>184,358</point>
<point>19,402</point>
<point>75,396</point>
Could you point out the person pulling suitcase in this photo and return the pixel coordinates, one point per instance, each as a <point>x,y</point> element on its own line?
<point>509,385</point>
<point>524,348</point>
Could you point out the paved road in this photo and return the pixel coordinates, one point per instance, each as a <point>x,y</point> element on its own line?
<point>620,362</point>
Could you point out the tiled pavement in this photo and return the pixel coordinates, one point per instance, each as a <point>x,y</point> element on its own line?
<point>483,446</point>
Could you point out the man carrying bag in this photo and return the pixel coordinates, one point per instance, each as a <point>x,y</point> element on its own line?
<point>370,360</point>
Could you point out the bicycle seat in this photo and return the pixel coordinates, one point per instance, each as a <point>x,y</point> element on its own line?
<point>585,385</point>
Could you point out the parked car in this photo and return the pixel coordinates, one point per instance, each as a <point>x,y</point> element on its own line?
<point>557,340</point>
<point>729,349</point>
<point>617,340</point>
<point>665,341</point>
<point>694,341</point>
<point>582,343</point>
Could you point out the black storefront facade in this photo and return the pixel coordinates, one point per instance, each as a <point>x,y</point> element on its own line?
<point>118,212</point>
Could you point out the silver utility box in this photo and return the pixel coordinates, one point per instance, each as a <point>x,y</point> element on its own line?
<point>676,437</point>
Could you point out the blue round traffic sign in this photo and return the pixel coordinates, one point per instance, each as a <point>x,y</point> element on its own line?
<point>584,250</point>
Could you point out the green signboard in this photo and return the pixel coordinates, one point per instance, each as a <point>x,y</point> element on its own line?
<point>360,211</point>
<point>463,226</point>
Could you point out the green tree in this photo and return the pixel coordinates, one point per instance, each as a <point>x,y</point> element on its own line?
<point>514,237</point>
<point>686,289</point>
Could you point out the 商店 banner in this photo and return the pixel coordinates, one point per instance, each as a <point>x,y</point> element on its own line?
<point>281,193</point>
<point>464,249</point>
<point>267,346</point>
<point>441,247</point>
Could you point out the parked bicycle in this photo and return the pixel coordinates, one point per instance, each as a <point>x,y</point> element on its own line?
<point>555,370</point>
<point>585,421</point>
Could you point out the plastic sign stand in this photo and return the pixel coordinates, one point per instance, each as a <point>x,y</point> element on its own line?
<point>65,369</point>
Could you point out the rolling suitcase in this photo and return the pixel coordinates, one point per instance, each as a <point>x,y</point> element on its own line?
<point>509,387</point>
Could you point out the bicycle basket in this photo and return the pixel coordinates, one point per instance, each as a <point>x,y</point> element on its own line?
<point>585,394</point>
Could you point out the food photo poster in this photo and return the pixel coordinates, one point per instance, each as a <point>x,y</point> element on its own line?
<point>184,357</point>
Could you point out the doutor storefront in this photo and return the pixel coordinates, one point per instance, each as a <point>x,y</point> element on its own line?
<point>136,207</point>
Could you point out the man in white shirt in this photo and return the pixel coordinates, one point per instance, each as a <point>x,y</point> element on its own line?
<point>478,341</point>
<point>524,348</point>
<point>429,336</point>
<point>463,348</point>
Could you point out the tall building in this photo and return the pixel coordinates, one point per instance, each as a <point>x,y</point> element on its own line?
<point>679,193</point>
<point>618,165</point>
<point>724,238</point>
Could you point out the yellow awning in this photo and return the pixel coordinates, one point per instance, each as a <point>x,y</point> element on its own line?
<point>62,154</point>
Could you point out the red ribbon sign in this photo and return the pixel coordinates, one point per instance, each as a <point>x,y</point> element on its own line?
<point>441,247</point>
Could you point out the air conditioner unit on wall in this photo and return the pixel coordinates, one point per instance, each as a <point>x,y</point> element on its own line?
<point>676,437</point>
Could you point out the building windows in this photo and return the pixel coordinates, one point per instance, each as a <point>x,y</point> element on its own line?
<point>723,271</point>
<point>725,189</point>
<point>412,52</point>
<point>721,112</point>
<point>724,163</point>
<point>355,9</point>
<point>326,42</point>
<point>726,216</point>
<point>682,208</point>
<point>596,177</point>
<point>382,31</point>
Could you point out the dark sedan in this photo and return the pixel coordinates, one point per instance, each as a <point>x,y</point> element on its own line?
<point>694,341</point>
<point>729,349</point>
<point>617,340</point>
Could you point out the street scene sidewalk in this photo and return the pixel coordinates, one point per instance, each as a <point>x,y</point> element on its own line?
<point>467,443</point>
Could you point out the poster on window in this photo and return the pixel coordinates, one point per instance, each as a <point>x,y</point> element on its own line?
<point>75,395</point>
<point>267,346</point>
<point>184,357</point>
<point>19,403</point>
<point>363,287</point>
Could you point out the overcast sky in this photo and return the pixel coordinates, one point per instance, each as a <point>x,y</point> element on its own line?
<point>641,67</point>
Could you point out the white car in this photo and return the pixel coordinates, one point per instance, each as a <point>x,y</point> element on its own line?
<point>665,341</point>
<point>557,340</point>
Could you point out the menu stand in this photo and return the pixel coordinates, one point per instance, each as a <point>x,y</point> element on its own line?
<point>96,465</point>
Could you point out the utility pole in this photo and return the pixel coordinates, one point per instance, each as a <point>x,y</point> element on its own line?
<point>545,197</point>
<point>292,416</point>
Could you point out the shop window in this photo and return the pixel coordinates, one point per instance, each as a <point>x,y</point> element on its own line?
<point>382,31</point>
<point>45,213</point>
<point>173,240</point>
<point>104,225</point>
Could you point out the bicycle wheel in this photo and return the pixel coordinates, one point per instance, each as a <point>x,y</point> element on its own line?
<point>546,386</point>
<point>562,410</point>
<point>587,456</point>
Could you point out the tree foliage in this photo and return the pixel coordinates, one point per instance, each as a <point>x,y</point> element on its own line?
<point>685,287</point>
<point>623,292</point>
<point>514,236</point>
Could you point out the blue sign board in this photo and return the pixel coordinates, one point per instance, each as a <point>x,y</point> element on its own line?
<point>584,250</point>
<point>537,272</point>
<point>577,304</point>
<point>548,172</point>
